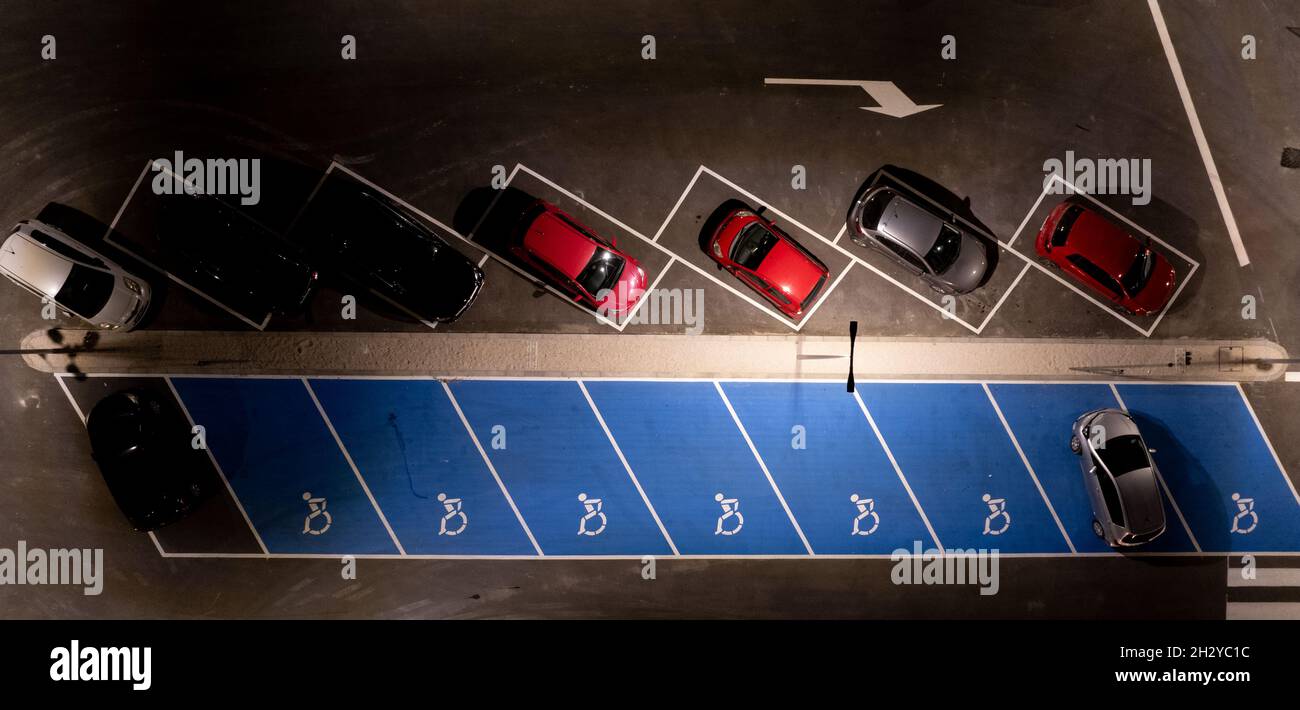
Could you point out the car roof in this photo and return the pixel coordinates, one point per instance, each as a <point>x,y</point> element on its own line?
<point>1116,423</point>
<point>34,265</point>
<point>789,269</point>
<point>1103,242</point>
<point>909,224</point>
<point>554,240</point>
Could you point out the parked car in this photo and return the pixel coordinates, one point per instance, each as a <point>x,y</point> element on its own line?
<point>1106,258</point>
<point>141,443</point>
<point>926,240</point>
<point>78,279</point>
<point>1121,478</point>
<point>360,234</point>
<point>571,257</point>
<point>226,254</point>
<point>760,254</point>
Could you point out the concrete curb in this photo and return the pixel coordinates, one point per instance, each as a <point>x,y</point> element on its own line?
<point>648,356</point>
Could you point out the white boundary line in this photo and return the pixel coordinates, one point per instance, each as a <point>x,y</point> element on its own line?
<point>1216,183</point>
<point>77,408</point>
<point>108,238</point>
<point>1025,460</point>
<point>811,558</point>
<point>1172,501</point>
<point>898,470</point>
<point>491,468</point>
<point>772,482</point>
<point>673,212</point>
<point>628,467</point>
<point>1269,443</point>
<point>352,465</point>
<point>212,457</point>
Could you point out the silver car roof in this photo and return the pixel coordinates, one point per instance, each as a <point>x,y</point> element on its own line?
<point>30,263</point>
<point>910,225</point>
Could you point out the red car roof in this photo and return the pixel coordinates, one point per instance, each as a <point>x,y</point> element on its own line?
<point>1104,243</point>
<point>790,270</point>
<point>553,240</point>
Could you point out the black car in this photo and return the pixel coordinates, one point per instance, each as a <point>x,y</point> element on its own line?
<point>228,255</point>
<point>366,238</point>
<point>141,442</point>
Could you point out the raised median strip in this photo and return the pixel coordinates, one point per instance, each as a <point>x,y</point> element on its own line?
<point>448,354</point>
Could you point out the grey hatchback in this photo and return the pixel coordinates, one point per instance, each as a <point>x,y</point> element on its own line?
<point>1121,478</point>
<point>919,236</point>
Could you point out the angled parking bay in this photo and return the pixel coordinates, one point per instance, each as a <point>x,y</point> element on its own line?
<point>284,466</point>
<point>1041,416</point>
<point>696,468</point>
<point>1218,466</point>
<point>961,464</point>
<point>422,467</point>
<point>559,467</point>
<point>829,466</point>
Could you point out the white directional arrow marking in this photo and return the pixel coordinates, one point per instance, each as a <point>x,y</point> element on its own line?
<point>892,100</point>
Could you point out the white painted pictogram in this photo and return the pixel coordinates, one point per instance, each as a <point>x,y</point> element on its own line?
<point>317,508</point>
<point>997,509</point>
<point>453,510</point>
<point>730,510</point>
<point>866,511</point>
<point>1245,509</point>
<point>594,508</point>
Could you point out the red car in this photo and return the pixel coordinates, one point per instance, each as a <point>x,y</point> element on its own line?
<point>577,261</point>
<point>1105,257</point>
<point>770,261</point>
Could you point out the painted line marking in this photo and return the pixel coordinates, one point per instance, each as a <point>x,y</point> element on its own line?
<point>628,467</point>
<point>673,212</point>
<point>898,470</point>
<point>1265,577</point>
<point>493,469</point>
<point>220,472</point>
<point>763,466</point>
<point>1262,611</point>
<point>1201,144</point>
<point>352,465</point>
<point>1025,459</point>
<point>1172,501</point>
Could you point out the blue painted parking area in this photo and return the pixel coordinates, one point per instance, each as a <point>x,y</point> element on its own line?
<point>614,468</point>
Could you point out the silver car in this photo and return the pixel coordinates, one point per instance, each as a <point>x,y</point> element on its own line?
<point>81,281</point>
<point>1121,478</point>
<point>917,235</point>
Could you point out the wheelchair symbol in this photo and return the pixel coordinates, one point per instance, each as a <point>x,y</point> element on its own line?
<point>595,507</point>
<point>730,511</point>
<point>317,508</point>
<point>997,509</point>
<point>453,511</point>
<point>866,510</point>
<point>1245,509</point>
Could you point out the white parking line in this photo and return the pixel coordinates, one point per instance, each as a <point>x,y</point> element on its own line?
<point>1269,443</point>
<point>220,472</point>
<point>491,468</point>
<point>352,465</point>
<point>898,470</point>
<point>1172,501</point>
<point>1025,460</point>
<point>1216,183</point>
<point>627,467</point>
<point>763,466</point>
<point>673,212</point>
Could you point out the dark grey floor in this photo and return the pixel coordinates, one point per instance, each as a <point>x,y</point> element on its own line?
<point>443,92</point>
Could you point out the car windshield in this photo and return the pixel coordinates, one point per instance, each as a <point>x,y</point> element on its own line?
<point>1140,272</point>
<point>945,249</point>
<point>602,271</point>
<point>86,291</point>
<point>1124,454</point>
<point>752,246</point>
<point>874,208</point>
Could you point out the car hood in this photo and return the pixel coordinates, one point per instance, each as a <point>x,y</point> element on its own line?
<point>972,264</point>
<point>629,289</point>
<point>123,306</point>
<point>1143,509</point>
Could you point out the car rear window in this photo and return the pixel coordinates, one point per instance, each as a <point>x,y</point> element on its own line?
<point>86,291</point>
<point>1124,454</point>
<point>752,246</point>
<point>1062,231</point>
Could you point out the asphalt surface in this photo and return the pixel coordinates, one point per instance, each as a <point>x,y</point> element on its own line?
<point>440,95</point>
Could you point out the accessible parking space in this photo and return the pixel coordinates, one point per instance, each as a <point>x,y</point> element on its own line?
<point>624,468</point>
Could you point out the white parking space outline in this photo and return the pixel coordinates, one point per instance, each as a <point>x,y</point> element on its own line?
<point>443,380</point>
